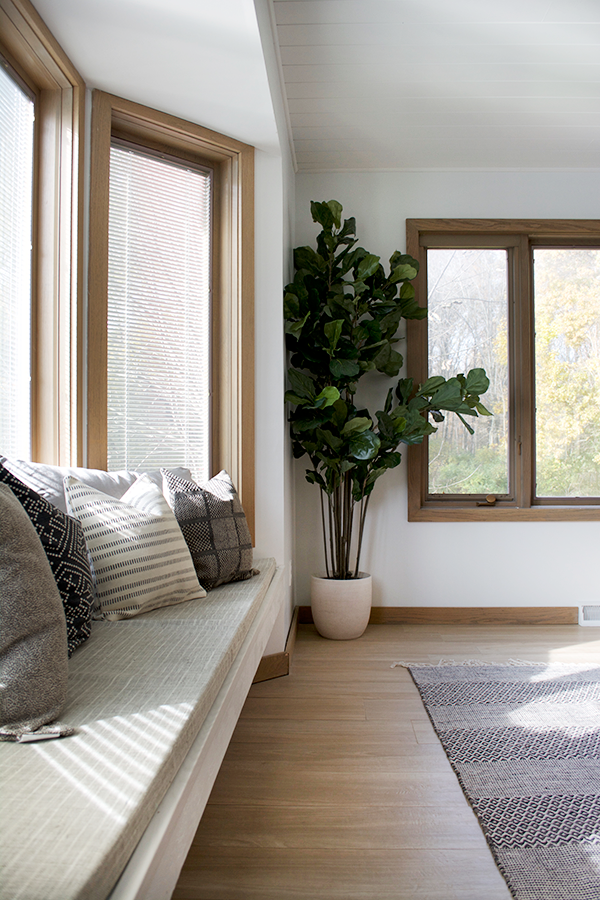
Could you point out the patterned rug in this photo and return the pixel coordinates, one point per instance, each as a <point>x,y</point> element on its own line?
<point>524,741</point>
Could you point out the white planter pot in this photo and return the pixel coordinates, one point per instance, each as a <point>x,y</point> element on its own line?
<point>341,608</point>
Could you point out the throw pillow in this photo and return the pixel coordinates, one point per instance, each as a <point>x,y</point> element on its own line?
<point>48,481</point>
<point>214,526</point>
<point>139,558</point>
<point>33,645</point>
<point>63,542</point>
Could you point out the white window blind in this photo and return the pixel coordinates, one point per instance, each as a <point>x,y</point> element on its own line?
<point>16,203</point>
<point>158,313</point>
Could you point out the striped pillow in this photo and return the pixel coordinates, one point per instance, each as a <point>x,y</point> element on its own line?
<point>138,556</point>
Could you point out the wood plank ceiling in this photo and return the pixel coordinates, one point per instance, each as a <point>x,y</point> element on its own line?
<point>442,84</point>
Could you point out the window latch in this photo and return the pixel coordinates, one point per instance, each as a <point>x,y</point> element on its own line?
<point>490,500</point>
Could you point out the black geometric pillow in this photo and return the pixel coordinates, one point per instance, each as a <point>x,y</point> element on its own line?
<point>62,539</point>
<point>214,526</point>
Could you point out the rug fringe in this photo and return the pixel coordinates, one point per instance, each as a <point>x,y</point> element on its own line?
<point>446,661</point>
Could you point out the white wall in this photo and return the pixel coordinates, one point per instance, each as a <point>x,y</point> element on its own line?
<point>274,201</point>
<point>463,563</point>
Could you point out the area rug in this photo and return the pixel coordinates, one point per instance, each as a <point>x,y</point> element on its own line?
<point>524,741</point>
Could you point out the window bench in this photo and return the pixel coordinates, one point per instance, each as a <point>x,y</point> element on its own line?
<point>111,811</point>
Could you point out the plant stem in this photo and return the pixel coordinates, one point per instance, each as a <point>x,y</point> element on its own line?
<point>324,534</point>
<point>364,503</point>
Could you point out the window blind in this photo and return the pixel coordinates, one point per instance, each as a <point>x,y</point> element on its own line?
<point>16,203</point>
<point>158,313</point>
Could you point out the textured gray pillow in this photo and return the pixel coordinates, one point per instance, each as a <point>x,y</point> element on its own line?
<point>33,637</point>
<point>214,526</point>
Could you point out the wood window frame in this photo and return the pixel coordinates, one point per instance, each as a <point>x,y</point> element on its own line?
<point>519,236</point>
<point>232,304</point>
<point>57,297</point>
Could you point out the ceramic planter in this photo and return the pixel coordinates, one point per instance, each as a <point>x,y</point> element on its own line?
<point>341,608</point>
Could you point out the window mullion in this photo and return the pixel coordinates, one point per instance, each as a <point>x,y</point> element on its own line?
<point>522,372</point>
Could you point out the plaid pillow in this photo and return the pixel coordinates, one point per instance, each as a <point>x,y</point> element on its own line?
<point>214,526</point>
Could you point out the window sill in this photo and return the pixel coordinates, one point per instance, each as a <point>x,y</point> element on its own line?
<point>504,514</point>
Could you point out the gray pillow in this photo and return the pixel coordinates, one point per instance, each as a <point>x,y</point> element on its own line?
<point>214,526</point>
<point>47,480</point>
<point>33,639</point>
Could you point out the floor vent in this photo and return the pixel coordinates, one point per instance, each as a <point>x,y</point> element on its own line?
<point>589,615</point>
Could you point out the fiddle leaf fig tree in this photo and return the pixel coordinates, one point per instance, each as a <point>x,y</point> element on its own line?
<point>342,313</point>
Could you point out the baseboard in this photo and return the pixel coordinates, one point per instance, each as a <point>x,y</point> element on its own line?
<point>464,615</point>
<point>275,665</point>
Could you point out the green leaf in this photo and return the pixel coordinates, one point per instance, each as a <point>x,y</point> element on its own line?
<point>333,331</point>
<point>356,425</point>
<point>340,411</point>
<point>306,258</point>
<point>482,410</point>
<point>401,259</point>
<point>336,211</point>
<point>431,385</point>
<point>403,273</point>
<point>344,368</point>
<point>477,381</point>
<point>302,384</point>
<point>328,396</point>
<point>295,328</point>
<point>367,267</point>
<point>365,445</point>
<point>328,438</point>
<point>291,397</point>
<point>448,396</point>
<point>348,230</point>
<point>291,306</point>
<point>404,389</point>
<point>388,361</point>
<point>322,215</point>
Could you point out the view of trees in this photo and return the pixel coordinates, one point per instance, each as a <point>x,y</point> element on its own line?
<point>468,327</point>
<point>567,347</point>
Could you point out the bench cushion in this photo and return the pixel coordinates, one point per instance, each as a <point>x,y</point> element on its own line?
<point>139,691</point>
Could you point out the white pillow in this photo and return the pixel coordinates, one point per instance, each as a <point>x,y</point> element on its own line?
<point>138,556</point>
<point>48,480</point>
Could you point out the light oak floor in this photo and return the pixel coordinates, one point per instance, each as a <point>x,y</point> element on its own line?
<point>335,786</point>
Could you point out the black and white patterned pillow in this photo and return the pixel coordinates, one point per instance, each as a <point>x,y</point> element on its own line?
<point>64,544</point>
<point>214,526</point>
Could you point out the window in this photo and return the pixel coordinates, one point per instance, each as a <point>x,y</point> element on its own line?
<point>158,373</point>
<point>16,212</point>
<point>170,319</point>
<point>522,300</point>
<point>42,251</point>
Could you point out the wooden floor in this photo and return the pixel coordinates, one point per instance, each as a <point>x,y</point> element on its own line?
<point>335,785</point>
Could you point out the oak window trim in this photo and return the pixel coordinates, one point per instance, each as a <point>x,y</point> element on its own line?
<point>232,308</point>
<point>57,295</point>
<point>567,232</point>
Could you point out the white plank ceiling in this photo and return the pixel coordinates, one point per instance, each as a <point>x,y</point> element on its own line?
<point>442,84</point>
